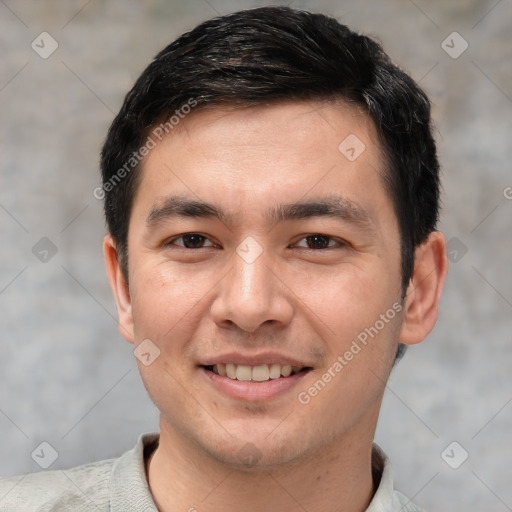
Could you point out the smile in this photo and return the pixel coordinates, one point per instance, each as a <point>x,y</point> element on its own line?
<point>254,383</point>
<point>259,373</point>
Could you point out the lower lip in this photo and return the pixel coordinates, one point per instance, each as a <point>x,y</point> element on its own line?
<point>254,391</point>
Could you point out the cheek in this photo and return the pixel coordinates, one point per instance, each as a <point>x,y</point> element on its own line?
<point>166,305</point>
<point>362,310</point>
<point>351,298</point>
<point>165,301</point>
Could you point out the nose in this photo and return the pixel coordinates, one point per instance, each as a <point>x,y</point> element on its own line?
<point>252,294</point>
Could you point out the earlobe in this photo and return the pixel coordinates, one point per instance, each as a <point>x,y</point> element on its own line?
<point>423,295</point>
<point>119,288</point>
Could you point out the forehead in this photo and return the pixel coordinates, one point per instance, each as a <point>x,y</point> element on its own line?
<point>240,157</point>
<point>299,128</point>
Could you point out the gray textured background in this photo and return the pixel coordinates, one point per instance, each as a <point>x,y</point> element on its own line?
<point>66,375</point>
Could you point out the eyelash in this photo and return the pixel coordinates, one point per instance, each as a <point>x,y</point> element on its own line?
<point>340,243</point>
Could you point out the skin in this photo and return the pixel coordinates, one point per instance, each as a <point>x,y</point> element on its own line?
<point>305,302</point>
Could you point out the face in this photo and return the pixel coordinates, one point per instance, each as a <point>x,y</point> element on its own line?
<point>257,243</point>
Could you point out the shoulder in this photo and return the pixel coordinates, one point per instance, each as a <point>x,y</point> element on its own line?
<point>82,488</point>
<point>108,485</point>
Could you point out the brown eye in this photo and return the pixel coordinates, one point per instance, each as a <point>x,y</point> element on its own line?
<point>318,241</point>
<point>190,241</point>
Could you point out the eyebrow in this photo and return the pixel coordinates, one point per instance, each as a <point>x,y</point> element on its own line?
<point>332,206</point>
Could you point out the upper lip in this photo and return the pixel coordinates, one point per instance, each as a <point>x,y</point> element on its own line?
<point>254,359</point>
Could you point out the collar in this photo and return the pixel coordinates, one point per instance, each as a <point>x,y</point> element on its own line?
<point>129,489</point>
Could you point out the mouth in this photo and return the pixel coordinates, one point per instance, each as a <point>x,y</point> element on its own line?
<point>259,373</point>
<point>254,383</point>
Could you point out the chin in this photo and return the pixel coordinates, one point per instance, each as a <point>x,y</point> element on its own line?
<point>259,449</point>
<point>252,457</point>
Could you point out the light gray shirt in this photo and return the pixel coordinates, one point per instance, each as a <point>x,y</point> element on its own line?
<point>120,485</point>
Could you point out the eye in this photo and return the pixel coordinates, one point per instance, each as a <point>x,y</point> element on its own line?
<point>190,241</point>
<point>315,241</point>
<point>318,241</point>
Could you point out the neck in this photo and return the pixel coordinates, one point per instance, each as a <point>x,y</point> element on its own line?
<point>183,477</point>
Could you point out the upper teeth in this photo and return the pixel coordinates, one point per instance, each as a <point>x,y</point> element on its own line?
<point>257,373</point>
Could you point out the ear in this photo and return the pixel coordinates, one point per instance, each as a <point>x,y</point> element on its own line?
<point>423,295</point>
<point>120,288</point>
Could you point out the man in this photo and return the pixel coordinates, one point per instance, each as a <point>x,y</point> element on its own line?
<point>271,193</point>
